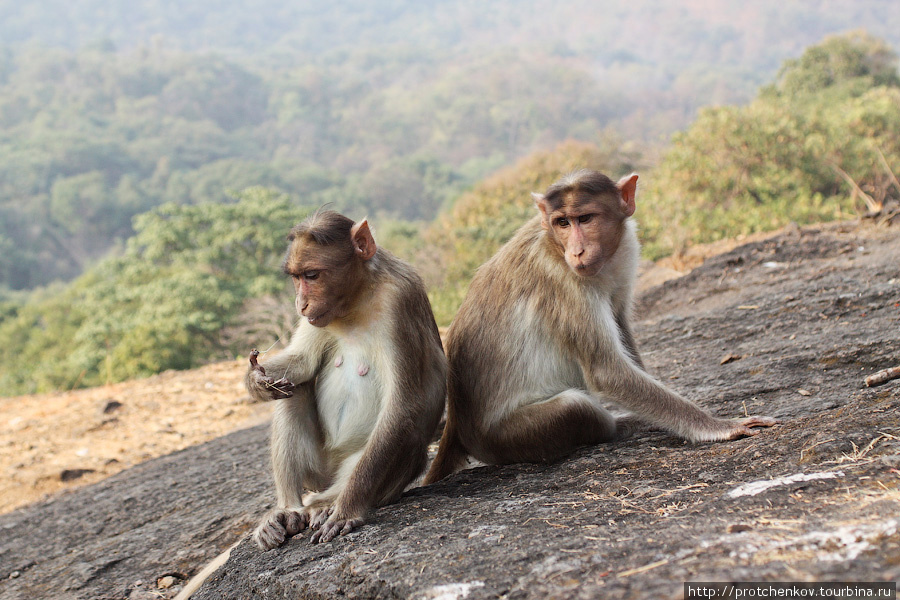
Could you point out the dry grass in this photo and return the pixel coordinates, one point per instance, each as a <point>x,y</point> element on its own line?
<point>44,435</point>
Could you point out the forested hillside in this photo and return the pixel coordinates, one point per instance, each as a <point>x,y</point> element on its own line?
<point>821,142</point>
<point>199,282</point>
<point>391,108</point>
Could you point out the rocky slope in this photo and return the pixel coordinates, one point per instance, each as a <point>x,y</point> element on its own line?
<point>787,327</point>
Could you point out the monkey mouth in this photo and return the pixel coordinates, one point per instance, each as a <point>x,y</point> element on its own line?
<point>320,320</point>
<point>588,269</point>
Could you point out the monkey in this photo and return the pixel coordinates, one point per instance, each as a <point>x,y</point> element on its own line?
<point>544,337</point>
<point>360,387</point>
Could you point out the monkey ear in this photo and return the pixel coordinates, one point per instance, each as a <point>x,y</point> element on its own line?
<point>627,187</point>
<point>541,202</point>
<point>363,242</point>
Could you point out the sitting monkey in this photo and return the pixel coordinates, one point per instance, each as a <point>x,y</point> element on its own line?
<point>360,388</point>
<point>545,333</point>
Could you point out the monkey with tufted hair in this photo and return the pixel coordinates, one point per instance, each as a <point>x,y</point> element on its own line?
<point>360,388</point>
<point>544,336</point>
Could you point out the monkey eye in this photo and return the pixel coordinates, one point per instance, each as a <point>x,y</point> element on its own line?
<point>562,222</point>
<point>311,275</point>
<point>585,218</point>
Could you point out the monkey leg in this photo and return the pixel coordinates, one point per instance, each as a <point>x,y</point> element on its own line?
<point>297,450</point>
<point>297,461</point>
<point>628,425</point>
<point>374,476</point>
<point>546,430</point>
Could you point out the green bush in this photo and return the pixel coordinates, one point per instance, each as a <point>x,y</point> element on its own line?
<point>182,280</point>
<point>782,158</point>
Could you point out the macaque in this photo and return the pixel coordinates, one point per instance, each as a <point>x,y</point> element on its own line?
<point>544,336</point>
<point>360,387</point>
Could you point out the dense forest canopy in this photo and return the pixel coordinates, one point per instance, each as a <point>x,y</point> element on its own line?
<point>388,108</point>
<point>200,282</point>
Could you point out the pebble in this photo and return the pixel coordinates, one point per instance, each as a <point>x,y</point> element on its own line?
<point>110,406</point>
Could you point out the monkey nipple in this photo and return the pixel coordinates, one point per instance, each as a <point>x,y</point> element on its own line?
<point>362,369</point>
<point>339,361</point>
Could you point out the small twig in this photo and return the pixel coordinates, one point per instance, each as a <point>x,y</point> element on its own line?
<point>558,526</point>
<point>861,454</point>
<point>643,569</point>
<point>874,207</point>
<point>887,167</point>
<point>278,339</point>
<point>666,493</point>
<point>802,450</point>
<point>883,376</point>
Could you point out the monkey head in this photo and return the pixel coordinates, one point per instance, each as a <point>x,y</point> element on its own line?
<point>326,261</point>
<point>584,217</point>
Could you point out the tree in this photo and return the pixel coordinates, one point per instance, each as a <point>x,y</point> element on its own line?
<point>829,119</point>
<point>165,303</point>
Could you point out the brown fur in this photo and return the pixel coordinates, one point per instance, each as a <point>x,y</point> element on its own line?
<point>365,382</point>
<point>544,335</point>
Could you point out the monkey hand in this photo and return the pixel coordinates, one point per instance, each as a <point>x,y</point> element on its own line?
<point>745,427</point>
<point>732,429</point>
<point>264,388</point>
<point>335,525</point>
<point>278,525</point>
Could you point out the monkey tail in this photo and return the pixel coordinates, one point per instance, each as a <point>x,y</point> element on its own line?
<point>451,454</point>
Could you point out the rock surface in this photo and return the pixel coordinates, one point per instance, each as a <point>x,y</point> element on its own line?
<point>803,318</point>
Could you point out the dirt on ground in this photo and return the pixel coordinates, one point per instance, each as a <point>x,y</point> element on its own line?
<point>61,441</point>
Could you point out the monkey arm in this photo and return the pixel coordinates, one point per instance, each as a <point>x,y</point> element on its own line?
<point>303,357</point>
<point>396,450</point>
<point>297,364</point>
<point>621,301</point>
<point>608,372</point>
<point>627,338</point>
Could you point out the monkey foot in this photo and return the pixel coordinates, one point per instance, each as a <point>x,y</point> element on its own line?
<point>278,525</point>
<point>333,528</point>
<point>318,516</point>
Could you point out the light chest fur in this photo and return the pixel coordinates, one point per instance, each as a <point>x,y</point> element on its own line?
<point>560,370</point>
<point>352,384</point>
